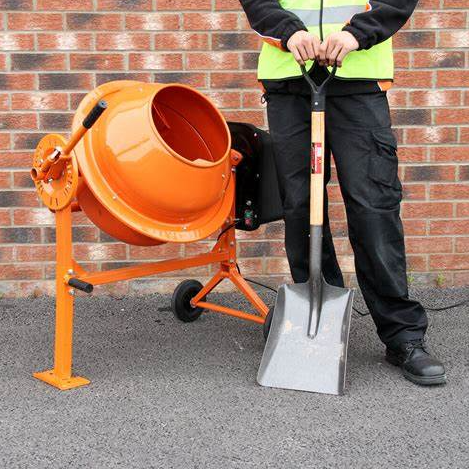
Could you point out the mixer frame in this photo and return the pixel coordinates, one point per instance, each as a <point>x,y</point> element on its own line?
<point>71,276</point>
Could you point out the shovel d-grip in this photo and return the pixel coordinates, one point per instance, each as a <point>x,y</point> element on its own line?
<point>63,172</point>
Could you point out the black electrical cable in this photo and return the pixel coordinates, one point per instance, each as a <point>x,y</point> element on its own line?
<point>361,313</point>
<point>224,230</point>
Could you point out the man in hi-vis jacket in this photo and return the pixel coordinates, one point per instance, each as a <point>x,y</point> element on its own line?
<point>356,35</point>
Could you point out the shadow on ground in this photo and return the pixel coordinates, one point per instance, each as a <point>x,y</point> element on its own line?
<point>171,395</point>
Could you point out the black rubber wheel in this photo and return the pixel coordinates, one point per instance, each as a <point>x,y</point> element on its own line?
<point>180,302</point>
<point>268,322</point>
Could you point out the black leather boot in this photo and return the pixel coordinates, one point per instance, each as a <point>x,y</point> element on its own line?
<point>416,362</point>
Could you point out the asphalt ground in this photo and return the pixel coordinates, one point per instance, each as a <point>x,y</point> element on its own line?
<point>170,395</point>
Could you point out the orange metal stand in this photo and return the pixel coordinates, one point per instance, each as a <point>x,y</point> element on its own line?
<point>223,252</point>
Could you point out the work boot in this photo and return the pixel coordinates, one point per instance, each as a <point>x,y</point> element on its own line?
<point>416,362</point>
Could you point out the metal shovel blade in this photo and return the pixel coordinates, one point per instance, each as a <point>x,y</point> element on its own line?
<point>292,359</point>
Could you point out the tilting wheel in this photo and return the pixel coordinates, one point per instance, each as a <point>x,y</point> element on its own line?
<point>180,302</point>
<point>268,322</point>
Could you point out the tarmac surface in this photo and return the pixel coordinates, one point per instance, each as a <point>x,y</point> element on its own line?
<point>164,394</point>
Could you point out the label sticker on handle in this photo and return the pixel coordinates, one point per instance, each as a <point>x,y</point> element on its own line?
<point>316,158</point>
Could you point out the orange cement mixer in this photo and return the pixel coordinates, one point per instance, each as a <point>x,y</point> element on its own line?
<point>148,164</point>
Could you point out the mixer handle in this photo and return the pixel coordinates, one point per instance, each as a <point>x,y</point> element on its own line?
<point>62,154</point>
<point>94,114</point>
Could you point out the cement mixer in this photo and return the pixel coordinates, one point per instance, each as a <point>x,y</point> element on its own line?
<point>148,164</point>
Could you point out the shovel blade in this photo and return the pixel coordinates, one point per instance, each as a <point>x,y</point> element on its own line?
<point>292,359</point>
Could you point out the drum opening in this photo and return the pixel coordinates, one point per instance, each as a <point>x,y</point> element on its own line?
<point>190,125</point>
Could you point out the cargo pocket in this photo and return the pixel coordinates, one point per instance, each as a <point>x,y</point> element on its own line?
<point>383,168</point>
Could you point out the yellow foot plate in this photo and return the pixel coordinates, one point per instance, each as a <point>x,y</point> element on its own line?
<point>63,384</point>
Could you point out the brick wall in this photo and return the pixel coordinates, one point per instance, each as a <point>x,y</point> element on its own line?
<point>54,51</point>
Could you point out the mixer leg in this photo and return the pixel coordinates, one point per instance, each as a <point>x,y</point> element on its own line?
<point>61,375</point>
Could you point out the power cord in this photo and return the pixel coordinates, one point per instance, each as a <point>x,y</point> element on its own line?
<point>361,313</point>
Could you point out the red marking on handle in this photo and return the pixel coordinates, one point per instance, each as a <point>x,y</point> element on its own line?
<point>316,158</point>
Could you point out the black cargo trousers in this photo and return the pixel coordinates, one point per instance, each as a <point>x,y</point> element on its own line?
<point>358,131</point>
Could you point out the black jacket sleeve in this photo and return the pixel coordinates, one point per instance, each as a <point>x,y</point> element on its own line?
<point>380,22</point>
<point>271,21</point>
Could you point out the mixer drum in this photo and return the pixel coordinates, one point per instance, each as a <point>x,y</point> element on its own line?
<point>156,166</point>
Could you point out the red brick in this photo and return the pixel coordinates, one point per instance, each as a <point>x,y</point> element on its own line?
<point>431,135</point>
<point>125,5</point>
<point>226,5</point>
<point>10,159</point>
<point>16,41</point>
<point>14,121</point>
<point>5,141</point>
<point>435,98</point>
<point>6,254</point>
<point>212,61</point>
<point>416,79</point>
<point>41,216</point>
<point>39,101</point>
<point>427,210</point>
<point>210,21</point>
<point>65,41</point>
<point>16,5</point>
<point>22,271</point>
<point>454,38</point>
<point>445,79</point>
<point>450,154</point>
<point>252,99</point>
<point>438,58</point>
<point>233,80</point>
<point>181,41</point>
<point>97,62</point>
<point>451,116</point>
<point>5,179</point>
<point>22,179</point>
<point>178,5</point>
<point>34,21</point>
<point>35,61</point>
<point>449,227</point>
<point>35,253</point>
<point>225,99</point>
<point>414,227</point>
<point>415,39</point>
<point>99,252</point>
<point>153,22</point>
<point>64,5</point>
<point>431,244</point>
<point>17,81</point>
<point>255,117</point>
<point>449,261</point>
<point>155,61</point>
<point>123,41</point>
<point>411,154</point>
<point>454,3</point>
<point>439,20</point>
<point>462,245</point>
<point>449,191</point>
<point>462,209</point>
<point>94,21</point>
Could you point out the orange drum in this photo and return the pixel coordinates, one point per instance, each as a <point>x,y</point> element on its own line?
<point>156,166</point>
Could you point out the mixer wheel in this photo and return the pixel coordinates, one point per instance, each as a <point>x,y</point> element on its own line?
<point>180,302</point>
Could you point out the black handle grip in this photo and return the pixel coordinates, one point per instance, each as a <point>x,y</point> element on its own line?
<point>94,114</point>
<point>81,285</point>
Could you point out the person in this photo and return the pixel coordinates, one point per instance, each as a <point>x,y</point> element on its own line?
<point>356,36</point>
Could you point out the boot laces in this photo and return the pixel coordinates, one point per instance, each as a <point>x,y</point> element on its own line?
<point>416,344</point>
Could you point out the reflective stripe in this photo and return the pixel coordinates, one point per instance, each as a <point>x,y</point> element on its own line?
<point>330,15</point>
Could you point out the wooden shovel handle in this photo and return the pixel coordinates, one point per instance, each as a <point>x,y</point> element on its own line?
<point>317,168</point>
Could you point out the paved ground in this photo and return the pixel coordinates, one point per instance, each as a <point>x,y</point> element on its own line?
<point>171,395</point>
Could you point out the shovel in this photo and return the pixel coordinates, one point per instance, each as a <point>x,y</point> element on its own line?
<point>306,348</point>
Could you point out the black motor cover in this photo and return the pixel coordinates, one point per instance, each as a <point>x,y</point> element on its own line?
<point>257,192</point>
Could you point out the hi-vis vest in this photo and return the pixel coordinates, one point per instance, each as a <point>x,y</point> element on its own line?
<point>374,63</point>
